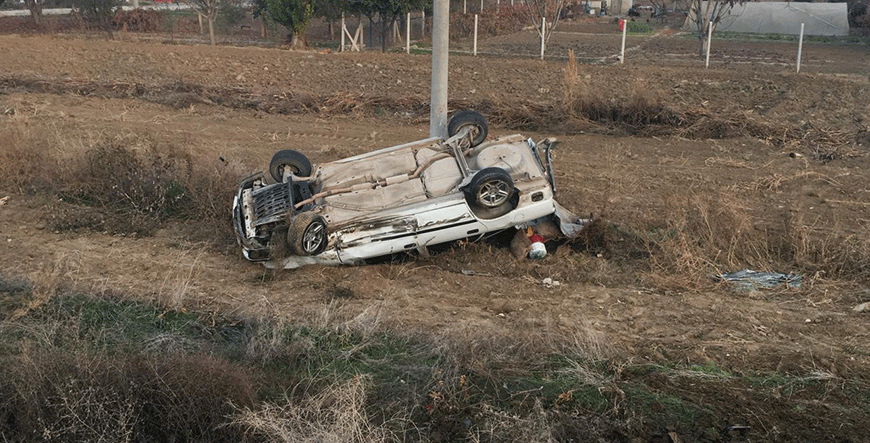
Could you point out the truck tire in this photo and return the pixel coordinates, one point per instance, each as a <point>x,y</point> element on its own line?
<point>468,118</point>
<point>490,188</point>
<point>307,234</point>
<point>298,162</point>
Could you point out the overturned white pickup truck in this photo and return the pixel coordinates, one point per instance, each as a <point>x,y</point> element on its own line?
<point>396,199</point>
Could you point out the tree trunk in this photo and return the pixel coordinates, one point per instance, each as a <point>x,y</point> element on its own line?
<point>35,13</point>
<point>211,29</point>
<point>107,26</point>
<point>262,26</point>
<point>371,32</point>
<point>331,30</point>
<point>701,38</point>
<point>199,16</point>
<point>295,41</point>
<point>384,31</point>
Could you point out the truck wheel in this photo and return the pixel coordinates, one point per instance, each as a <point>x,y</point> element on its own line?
<point>490,188</point>
<point>287,158</point>
<point>469,118</point>
<point>307,234</point>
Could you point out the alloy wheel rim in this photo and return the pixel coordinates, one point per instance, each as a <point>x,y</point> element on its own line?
<point>493,193</point>
<point>313,237</point>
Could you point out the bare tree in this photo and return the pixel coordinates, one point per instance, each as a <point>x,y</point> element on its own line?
<point>35,7</point>
<point>98,13</point>
<point>662,5</point>
<point>680,5</point>
<point>208,9</point>
<point>707,13</point>
<point>551,10</point>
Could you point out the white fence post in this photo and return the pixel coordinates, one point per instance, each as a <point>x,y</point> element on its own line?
<point>343,30</point>
<point>481,5</point>
<point>709,40</point>
<point>423,24</point>
<point>465,6</point>
<point>408,33</point>
<point>475,35</point>
<point>543,35</point>
<point>624,32</point>
<point>800,48</point>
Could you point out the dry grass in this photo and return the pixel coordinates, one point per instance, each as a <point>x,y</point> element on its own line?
<point>24,158</point>
<point>121,184</point>
<point>704,234</point>
<point>336,414</point>
<point>74,396</point>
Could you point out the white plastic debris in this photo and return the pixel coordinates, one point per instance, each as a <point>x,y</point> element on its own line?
<point>550,283</point>
<point>538,250</point>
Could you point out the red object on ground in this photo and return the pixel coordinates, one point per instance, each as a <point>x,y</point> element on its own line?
<point>536,238</point>
<point>621,24</point>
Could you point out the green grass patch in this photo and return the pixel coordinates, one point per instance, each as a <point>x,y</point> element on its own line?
<point>668,410</point>
<point>639,27</point>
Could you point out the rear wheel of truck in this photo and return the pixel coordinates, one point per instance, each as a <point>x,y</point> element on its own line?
<point>490,188</point>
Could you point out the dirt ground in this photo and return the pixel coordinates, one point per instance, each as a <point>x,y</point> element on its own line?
<point>631,181</point>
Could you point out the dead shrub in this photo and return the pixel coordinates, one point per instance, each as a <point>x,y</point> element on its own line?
<point>24,161</point>
<point>336,414</point>
<point>137,20</point>
<point>701,236</point>
<point>15,293</point>
<point>705,235</point>
<point>189,397</point>
<point>506,19</point>
<point>827,251</point>
<point>123,184</point>
<point>114,177</point>
<point>60,395</point>
<point>642,110</point>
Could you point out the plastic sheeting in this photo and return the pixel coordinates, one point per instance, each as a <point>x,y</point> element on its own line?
<point>569,223</point>
<point>782,18</point>
<point>748,279</point>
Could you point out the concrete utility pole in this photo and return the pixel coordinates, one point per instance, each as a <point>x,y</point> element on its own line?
<point>440,46</point>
